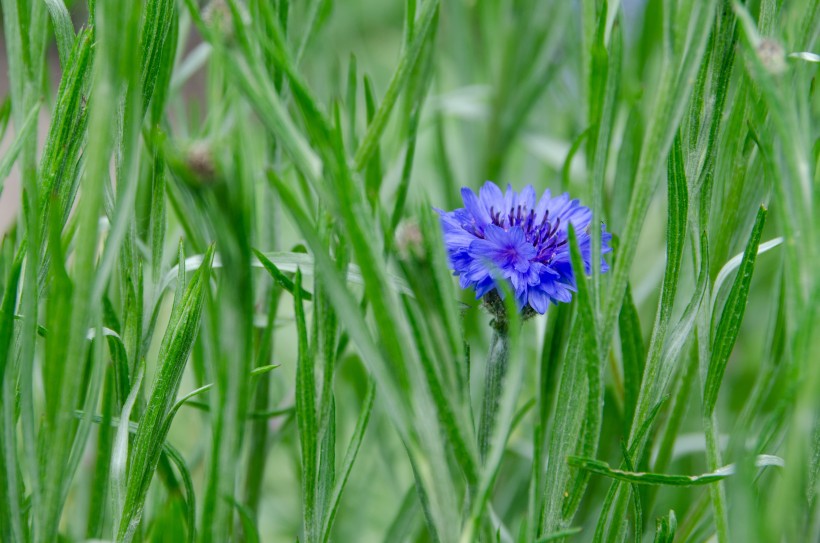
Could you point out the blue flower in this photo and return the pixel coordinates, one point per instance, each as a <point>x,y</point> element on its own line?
<point>526,243</point>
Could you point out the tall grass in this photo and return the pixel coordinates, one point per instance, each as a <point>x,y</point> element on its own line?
<point>227,313</point>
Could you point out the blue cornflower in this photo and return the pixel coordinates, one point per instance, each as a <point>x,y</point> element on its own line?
<point>524,242</point>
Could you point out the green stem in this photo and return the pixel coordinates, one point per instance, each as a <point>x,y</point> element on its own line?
<point>717,491</point>
<point>493,384</point>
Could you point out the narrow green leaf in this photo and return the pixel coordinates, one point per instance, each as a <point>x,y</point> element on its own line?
<point>343,300</point>
<point>10,496</point>
<point>671,97</point>
<point>407,520</point>
<point>666,528</point>
<point>632,355</point>
<point>306,414</point>
<point>187,482</point>
<point>646,478</point>
<point>105,443</point>
<point>268,105</point>
<point>651,385</point>
<point>119,455</point>
<point>173,355</point>
<point>593,414</point>
<point>11,154</point>
<point>63,28</point>
<point>159,17</point>
<point>734,263</point>
<point>466,454</point>
<point>249,529</point>
<point>561,534</point>
<point>409,58</point>
<point>280,278</point>
<point>732,315</point>
<point>373,170</point>
<point>349,460</point>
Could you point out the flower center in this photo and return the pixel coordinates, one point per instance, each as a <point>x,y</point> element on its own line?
<point>544,235</point>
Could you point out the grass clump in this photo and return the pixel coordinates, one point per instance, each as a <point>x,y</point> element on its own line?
<point>227,308</point>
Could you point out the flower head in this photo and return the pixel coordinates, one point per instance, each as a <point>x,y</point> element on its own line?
<point>512,237</point>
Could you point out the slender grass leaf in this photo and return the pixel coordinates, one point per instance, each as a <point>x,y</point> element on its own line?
<point>734,263</point>
<point>732,315</point>
<point>593,416</point>
<point>63,29</point>
<point>349,460</point>
<point>119,455</point>
<point>306,415</point>
<point>280,278</point>
<point>407,520</point>
<point>11,508</point>
<point>286,262</point>
<point>632,355</point>
<point>561,534</point>
<point>158,19</point>
<point>22,136</point>
<point>249,529</point>
<point>666,528</point>
<point>602,468</point>
<point>424,32</point>
<point>173,356</point>
<point>675,238</point>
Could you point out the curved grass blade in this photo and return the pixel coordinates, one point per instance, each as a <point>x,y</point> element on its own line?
<point>350,458</point>
<point>734,263</point>
<point>561,534</point>
<point>173,356</point>
<point>281,279</point>
<point>666,528</point>
<point>63,29</point>
<point>249,529</point>
<point>647,478</point>
<point>731,316</point>
<point>10,155</point>
<point>424,32</point>
<point>12,521</point>
<point>306,415</point>
<point>119,454</point>
<point>187,481</point>
<point>286,262</point>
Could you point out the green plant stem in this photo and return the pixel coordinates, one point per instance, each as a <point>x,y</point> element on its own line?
<point>493,384</point>
<point>717,491</point>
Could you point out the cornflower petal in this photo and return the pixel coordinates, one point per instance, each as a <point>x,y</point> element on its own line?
<point>507,236</point>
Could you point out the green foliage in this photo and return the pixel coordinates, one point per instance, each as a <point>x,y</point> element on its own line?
<point>297,151</point>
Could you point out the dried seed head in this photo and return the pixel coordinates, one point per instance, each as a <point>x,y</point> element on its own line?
<point>409,240</point>
<point>200,161</point>
<point>218,17</point>
<point>772,55</point>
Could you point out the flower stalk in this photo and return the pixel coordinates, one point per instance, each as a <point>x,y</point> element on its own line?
<point>497,362</point>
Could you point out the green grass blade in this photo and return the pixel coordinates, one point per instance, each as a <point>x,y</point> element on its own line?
<point>119,455</point>
<point>560,534</point>
<point>593,415</point>
<point>159,16</point>
<point>280,278</point>
<point>63,28</point>
<point>732,315</point>
<point>12,516</point>
<point>249,528</point>
<point>187,482</point>
<point>306,416</point>
<point>10,156</point>
<point>646,478</point>
<point>666,528</point>
<point>423,33</point>
<point>633,355</point>
<point>349,460</point>
<point>174,351</point>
